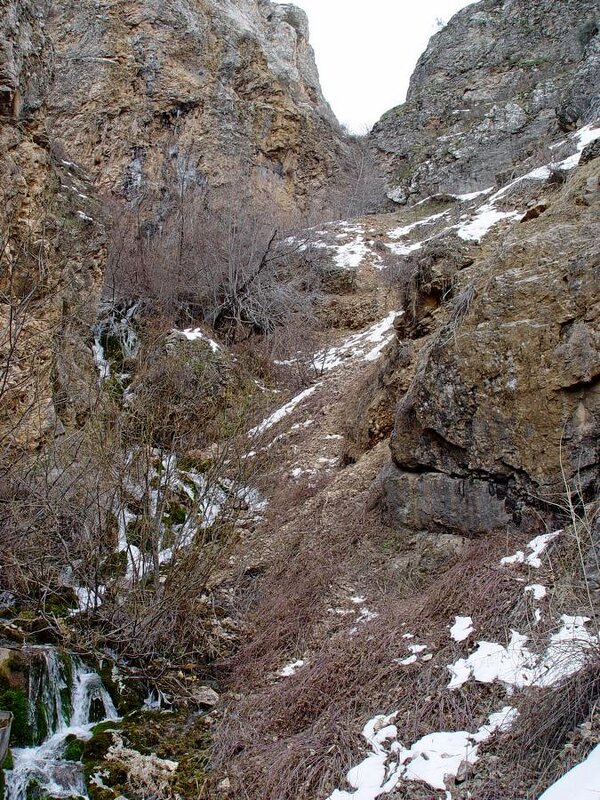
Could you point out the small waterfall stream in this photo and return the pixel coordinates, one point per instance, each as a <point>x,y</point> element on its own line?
<point>71,699</point>
<point>115,331</point>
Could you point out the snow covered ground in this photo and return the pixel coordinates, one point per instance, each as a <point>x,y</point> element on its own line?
<point>580,783</point>
<point>432,760</point>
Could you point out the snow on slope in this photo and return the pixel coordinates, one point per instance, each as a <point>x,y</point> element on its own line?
<point>580,783</point>
<point>432,760</point>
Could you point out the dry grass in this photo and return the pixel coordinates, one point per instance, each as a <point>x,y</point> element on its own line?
<point>295,737</point>
<point>555,730</point>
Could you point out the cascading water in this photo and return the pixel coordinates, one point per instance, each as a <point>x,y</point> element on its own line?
<point>64,713</point>
<point>116,325</point>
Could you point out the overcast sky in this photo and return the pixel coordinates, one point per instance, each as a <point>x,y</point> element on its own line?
<point>367,49</point>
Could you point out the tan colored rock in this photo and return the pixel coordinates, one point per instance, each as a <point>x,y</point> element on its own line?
<point>52,257</point>
<point>505,396</point>
<point>153,97</point>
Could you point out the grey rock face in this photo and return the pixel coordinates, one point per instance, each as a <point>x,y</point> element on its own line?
<point>23,56</point>
<point>439,503</point>
<point>502,80</point>
<point>592,557</point>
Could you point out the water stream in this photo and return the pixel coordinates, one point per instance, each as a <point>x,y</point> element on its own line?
<point>66,697</point>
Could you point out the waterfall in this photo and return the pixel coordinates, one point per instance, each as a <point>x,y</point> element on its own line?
<point>116,323</point>
<point>71,699</point>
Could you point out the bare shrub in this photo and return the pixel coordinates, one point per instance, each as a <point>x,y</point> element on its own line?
<point>219,259</point>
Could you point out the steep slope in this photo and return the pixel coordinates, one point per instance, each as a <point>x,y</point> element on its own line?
<point>357,621</point>
<point>490,92</point>
<point>503,410</point>
<point>154,97</point>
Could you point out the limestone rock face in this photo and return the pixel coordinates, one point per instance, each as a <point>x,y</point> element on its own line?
<point>489,93</point>
<point>504,408</point>
<point>52,251</point>
<point>152,95</point>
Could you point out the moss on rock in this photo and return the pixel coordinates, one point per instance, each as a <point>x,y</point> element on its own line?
<point>73,748</point>
<point>15,700</point>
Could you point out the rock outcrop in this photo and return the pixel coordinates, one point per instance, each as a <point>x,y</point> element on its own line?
<point>52,250</point>
<point>154,98</point>
<point>142,101</point>
<point>491,91</point>
<point>503,414</point>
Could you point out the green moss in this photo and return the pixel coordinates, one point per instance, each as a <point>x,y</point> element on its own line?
<point>103,727</point>
<point>100,792</point>
<point>41,720</point>
<point>15,700</point>
<point>73,748</point>
<point>187,464</point>
<point>113,351</point>
<point>66,663</point>
<point>96,748</point>
<point>8,761</point>
<point>60,603</point>
<point>177,513</point>
<point>113,774</point>
<point>126,698</point>
<point>179,737</point>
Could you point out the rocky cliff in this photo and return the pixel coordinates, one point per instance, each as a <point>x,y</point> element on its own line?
<point>492,90</point>
<point>152,96</point>
<point>504,407</point>
<point>52,248</point>
<point>145,101</point>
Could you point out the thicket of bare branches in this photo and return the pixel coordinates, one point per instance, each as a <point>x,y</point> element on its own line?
<point>114,515</point>
<point>215,259</point>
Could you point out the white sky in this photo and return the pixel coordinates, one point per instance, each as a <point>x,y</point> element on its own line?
<point>366,50</point>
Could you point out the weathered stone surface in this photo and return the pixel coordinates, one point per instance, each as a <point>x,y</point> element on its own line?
<point>156,97</point>
<point>52,252</point>
<point>439,503</point>
<point>592,555</point>
<point>506,393</point>
<point>590,152</point>
<point>489,92</point>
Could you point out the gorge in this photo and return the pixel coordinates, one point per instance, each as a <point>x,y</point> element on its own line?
<point>299,430</point>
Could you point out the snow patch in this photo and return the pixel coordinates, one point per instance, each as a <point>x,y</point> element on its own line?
<point>463,627</point>
<point>431,760</point>
<point>291,668</point>
<point>516,666</point>
<point>485,219</point>
<point>538,591</point>
<point>473,195</point>
<point>282,412</point>
<point>359,345</point>
<point>194,335</point>
<point>537,547</point>
<point>399,233</point>
<point>580,783</point>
